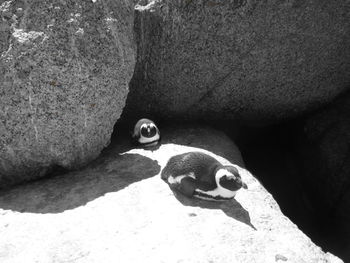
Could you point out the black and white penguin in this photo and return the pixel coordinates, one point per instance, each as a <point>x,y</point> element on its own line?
<point>146,133</point>
<point>196,174</point>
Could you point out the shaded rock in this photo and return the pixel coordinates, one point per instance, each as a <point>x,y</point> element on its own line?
<point>118,208</point>
<point>64,74</point>
<point>324,145</point>
<point>248,60</point>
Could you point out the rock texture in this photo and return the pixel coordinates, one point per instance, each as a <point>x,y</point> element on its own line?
<point>251,60</point>
<point>324,146</point>
<point>118,209</point>
<point>64,73</point>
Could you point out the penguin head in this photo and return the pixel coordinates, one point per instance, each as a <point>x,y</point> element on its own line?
<point>146,133</point>
<point>229,178</point>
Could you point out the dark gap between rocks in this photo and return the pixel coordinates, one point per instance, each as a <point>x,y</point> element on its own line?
<point>271,155</point>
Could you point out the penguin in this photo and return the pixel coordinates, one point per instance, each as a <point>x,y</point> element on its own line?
<point>196,174</point>
<point>146,133</point>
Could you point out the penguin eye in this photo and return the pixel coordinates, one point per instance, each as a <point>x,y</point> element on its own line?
<point>231,177</point>
<point>153,126</point>
<point>153,131</point>
<point>144,130</point>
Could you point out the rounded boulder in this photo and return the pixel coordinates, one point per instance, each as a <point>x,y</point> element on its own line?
<point>64,73</point>
<point>256,61</point>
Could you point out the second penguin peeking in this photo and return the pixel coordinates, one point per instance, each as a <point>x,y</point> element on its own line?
<point>146,133</point>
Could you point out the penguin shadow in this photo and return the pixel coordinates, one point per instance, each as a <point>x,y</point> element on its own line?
<point>110,173</point>
<point>231,208</point>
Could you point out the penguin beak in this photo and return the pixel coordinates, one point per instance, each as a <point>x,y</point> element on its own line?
<point>243,184</point>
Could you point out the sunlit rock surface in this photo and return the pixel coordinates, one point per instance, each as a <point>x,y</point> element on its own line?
<point>119,210</point>
<point>252,60</point>
<point>64,73</point>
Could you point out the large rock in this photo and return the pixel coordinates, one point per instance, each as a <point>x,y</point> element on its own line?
<point>250,60</point>
<point>324,147</point>
<point>64,73</point>
<point>119,209</point>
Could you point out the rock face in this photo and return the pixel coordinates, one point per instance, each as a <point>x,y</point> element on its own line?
<point>118,208</point>
<point>250,60</point>
<point>325,152</point>
<point>64,73</point>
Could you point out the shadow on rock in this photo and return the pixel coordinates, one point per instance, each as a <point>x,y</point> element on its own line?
<point>231,208</point>
<point>57,194</point>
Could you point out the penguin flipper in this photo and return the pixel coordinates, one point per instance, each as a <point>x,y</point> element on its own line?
<point>187,186</point>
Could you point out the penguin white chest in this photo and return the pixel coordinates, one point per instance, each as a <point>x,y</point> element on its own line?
<point>219,192</point>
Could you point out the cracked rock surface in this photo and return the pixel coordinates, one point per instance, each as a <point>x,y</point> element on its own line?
<point>119,210</point>
<point>64,73</point>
